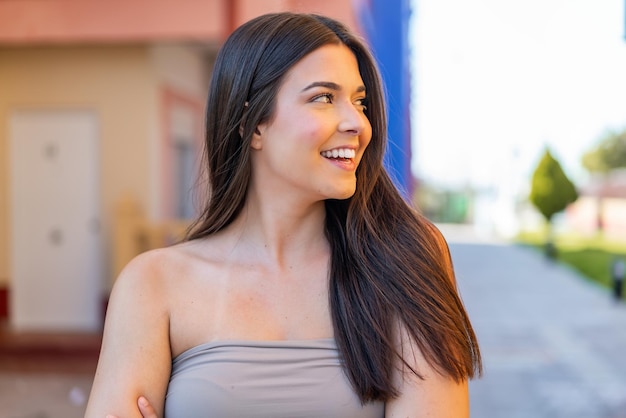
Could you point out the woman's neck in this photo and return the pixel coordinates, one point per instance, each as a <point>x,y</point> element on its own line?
<point>280,231</point>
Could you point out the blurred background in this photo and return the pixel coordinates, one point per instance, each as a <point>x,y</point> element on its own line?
<point>496,83</point>
<point>507,129</point>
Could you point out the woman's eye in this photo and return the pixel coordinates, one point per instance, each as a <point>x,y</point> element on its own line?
<point>362,103</point>
<point>324,98</point>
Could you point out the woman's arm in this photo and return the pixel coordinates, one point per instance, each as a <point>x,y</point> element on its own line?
<point>135,356</point>
<point>434,396</point>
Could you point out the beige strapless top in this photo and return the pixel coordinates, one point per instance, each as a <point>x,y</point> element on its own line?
<point>273,379</point>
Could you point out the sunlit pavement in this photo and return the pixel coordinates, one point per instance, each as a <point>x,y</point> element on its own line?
<point>553,344</point>
<point>46,375</point>
<point>43,395</point>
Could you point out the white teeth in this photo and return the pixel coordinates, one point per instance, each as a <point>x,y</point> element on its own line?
<point>340,153</point>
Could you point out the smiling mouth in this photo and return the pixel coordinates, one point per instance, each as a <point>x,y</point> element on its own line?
<point>340,153</point>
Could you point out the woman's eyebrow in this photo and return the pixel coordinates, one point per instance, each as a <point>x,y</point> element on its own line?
<point>329,85</point>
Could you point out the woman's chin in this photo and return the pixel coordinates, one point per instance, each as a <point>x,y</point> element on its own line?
<point>344,193</point>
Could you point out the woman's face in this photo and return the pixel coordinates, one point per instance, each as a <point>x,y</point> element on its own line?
<point>318,132</point>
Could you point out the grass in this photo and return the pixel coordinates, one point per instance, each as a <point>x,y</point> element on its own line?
<point>591,256</point>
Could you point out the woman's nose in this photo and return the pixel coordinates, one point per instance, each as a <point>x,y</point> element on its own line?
<point>353,120</point>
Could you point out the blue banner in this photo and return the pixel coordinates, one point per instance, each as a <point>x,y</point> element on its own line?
<point>385,25</point>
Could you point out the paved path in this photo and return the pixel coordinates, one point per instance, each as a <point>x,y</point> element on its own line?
<point>553,344</point>
<point>43,395</point>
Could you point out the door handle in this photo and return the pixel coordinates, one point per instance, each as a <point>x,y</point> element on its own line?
<point>56,237</point>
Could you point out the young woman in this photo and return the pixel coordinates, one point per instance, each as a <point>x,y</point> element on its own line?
<point>307,287</point>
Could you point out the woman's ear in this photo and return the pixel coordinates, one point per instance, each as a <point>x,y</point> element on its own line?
<point>257,137</point>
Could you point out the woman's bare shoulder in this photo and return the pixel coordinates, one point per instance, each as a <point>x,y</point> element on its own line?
<point>159,267</point>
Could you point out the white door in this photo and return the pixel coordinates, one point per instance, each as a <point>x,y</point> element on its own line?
<point>55,243</point>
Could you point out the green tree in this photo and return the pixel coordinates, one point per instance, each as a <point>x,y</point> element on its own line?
<point>608,154</point>
<point>551,192</point>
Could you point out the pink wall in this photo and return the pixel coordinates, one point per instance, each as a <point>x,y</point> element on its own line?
<point>62,21</point>
<point>339,9</point>
<point>80,21</point>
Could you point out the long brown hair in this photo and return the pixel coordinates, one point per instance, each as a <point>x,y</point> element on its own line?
<point>389,266</point>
